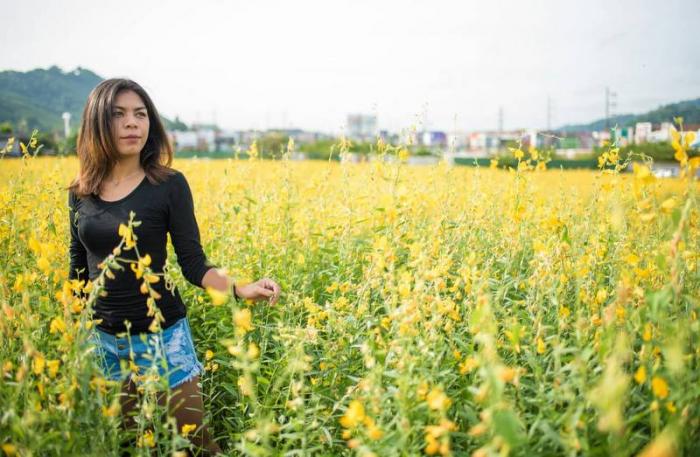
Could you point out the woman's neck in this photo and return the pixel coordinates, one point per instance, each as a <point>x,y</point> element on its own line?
<point>124,169</point>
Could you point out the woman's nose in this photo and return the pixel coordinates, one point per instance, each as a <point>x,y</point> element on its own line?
<point>130,121</point>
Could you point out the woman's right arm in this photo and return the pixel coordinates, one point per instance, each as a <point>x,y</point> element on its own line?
<point>78,254</point>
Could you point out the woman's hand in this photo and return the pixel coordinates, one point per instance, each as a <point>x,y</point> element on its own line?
<point>261,289</point>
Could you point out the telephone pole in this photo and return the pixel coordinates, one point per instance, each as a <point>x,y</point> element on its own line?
<point>610,105</point>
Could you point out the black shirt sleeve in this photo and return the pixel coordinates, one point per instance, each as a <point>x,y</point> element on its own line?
<point>184,231</point>
<point>78,253</point>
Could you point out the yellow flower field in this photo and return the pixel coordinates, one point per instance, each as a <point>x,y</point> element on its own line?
<point>425,311</point>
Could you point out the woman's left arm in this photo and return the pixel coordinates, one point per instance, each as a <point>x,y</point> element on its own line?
<point>184,233</point>
<point>261,289</point>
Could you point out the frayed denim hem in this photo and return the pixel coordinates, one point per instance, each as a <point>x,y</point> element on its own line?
<point>196,370</point>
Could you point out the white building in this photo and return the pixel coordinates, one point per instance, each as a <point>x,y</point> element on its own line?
<point>184,139</point>
<point>642,130</point>
<point>195,140</point>
<point>362,127</point>
<point>661,135</point>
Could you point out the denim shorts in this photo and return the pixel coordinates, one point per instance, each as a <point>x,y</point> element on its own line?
<point>171,352</point>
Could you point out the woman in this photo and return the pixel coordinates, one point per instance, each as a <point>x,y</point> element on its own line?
<point>125,160</point>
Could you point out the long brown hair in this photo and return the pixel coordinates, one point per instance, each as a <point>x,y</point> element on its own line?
<point>97,153</point>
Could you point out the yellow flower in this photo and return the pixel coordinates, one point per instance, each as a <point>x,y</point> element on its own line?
<point>188,428</point>
<point>374,432</point>
<point>694,164</point>
<point>507,374</point>
<point>19,283</point>
<point>601,296</point>
<point>422,390</point>
<point>38,364</point>
<point>468,365</point>
<point>217,297</point>
<point>147,440</point>
<point>209,354</point>
<point>641,375</point>
<point>137,268</point>
<point>478,430</point>
<point>151,278</point>
<point>437,399</point>
<point>53,367</point>
<point>112,410</point>
<point>540,346</point>
<point>659,387</point>
<point>43,264</point>
<point>668,205</point>
<point>146,260</point>
<point>354,415</point>
<point>253,351</point>
<point>57,325</point>
<point>9,449</point>
<point>664,445</point>
<point>246,386</point>
<point>642,173</point>
<point>432,446</point>
<point>243,319</point>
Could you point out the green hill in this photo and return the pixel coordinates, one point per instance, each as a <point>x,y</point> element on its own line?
<point>38,98</point>
<point>689,110</point>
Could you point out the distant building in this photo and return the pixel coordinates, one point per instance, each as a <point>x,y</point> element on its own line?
<point>602,137</point>
<point>458,140</point>
<point>661,135</point>
<point>433,139</point>
<point>362,127</point>
<point>642,131</point>
<point>194,140</point>
<point>624,136</point>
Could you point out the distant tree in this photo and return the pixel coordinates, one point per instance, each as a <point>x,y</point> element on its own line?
<point>68,146</point>
<point>273,144</point>
<point>321,149</point>
<point>6,128</point>
<point>177,124</point>
<point>49,140</point>
<point>660,152</point>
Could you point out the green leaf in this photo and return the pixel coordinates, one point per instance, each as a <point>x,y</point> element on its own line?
<point>676,216</point>
<point>509,427</point>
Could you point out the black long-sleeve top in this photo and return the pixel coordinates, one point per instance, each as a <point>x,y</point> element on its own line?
<point>94,227</point>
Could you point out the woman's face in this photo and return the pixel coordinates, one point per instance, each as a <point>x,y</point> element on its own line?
<point>129,123</point>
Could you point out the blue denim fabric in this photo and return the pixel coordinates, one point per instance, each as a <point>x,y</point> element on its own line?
<point>171,351</point>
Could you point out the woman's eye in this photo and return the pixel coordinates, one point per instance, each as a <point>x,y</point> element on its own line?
<point>141,114</point>
<point>117,114</point>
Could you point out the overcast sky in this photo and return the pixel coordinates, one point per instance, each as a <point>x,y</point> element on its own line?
<point>307,64</point>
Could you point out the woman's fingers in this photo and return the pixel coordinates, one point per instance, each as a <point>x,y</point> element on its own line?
<point>276,291</point>
<point>269,289</point>
<point>265,292</point>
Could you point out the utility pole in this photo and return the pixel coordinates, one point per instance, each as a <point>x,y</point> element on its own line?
<point>500,119</point>
<point>610,105</point>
